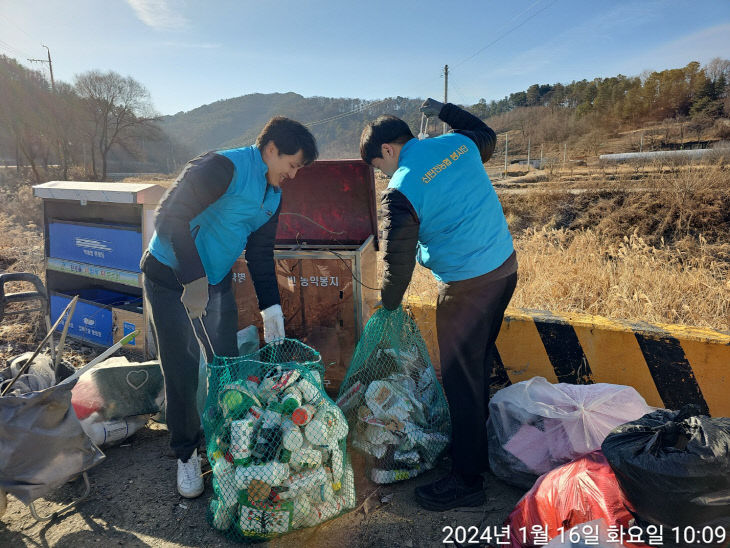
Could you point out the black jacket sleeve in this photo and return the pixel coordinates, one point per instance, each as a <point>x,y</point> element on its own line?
<point>202,181</point>
<point>260,261</point>
<point>400,237</point>
<point>471,126</point>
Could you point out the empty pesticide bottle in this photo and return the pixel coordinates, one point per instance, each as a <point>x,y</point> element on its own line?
<point>268,439</point>
<point>108,432</point>
<point>303,414</point>
<point>291,399</point>
<point>291,435</point>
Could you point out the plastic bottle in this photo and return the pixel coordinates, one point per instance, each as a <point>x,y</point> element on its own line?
<point>222,515</point>
<point>291,438</point>
<point>273,473</point>
<point>322,493</point>
<point>334,420</point>
<point>390,476</point>
<point>337,466</point>
<point>304,481</point>
<point>225,476</point>
<point>287,379</point>
<point>268,438</point>
<point>108,432</point>
<point>317,433</point>
<point>324,511</point>
<point>291,399</point>
<point>235,400</point>
<point>265,391</point>
<point>326,427</point>
<point>301,511</point>
<point>305,458</point>
<point>310,393</point>
<point>241,434</point>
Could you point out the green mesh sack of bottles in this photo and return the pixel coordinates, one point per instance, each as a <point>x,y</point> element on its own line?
<point>394,404</point>
<point>276,444</point>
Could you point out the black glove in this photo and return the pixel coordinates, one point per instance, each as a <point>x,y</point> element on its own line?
<point>431,107</point>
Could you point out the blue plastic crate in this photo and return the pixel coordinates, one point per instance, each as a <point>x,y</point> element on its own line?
<point>113,246</point>
<point>92,320</point>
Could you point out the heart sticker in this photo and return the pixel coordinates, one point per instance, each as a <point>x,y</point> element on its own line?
<point>140,375</point>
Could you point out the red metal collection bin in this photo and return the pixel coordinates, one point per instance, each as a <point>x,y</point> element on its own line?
<point>326,252</point>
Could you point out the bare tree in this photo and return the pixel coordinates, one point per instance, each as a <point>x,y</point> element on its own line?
<point>118,109</point>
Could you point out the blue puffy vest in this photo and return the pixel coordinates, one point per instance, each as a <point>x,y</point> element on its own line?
<point>463,232</point>
<point>222,229</point>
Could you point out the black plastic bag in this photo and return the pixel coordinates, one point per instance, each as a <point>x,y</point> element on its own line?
<point>674,467</point>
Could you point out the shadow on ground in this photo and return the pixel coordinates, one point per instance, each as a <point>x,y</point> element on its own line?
<point>133,502</point>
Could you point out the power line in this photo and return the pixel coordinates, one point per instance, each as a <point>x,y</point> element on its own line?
<point>13,50</point>
<point>510,30</point>
<point>5,17</point>
<point>362,108</point>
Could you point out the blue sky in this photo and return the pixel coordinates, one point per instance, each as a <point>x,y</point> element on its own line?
<point>189,53</point>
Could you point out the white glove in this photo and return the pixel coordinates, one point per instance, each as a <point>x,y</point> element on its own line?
<point>195,297</point>
<point>273,323</point>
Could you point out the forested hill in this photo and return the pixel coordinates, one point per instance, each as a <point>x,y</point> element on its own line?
<point>236,122</point>
<point>548,113</point>
<point>105,123</point>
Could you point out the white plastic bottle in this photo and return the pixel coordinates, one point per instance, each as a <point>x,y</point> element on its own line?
<point>273,473</point>
<point>107,432</point>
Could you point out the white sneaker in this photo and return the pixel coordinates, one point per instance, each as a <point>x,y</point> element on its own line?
<point>189,478</point>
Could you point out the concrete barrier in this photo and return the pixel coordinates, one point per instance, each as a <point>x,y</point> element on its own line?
<point>669,365</point>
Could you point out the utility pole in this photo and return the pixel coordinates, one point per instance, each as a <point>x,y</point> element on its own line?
<point>529,140</point>
<point>446,90</point>
<point>50,66</point>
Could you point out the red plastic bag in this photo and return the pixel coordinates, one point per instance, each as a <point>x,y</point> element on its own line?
<point>582,490</point>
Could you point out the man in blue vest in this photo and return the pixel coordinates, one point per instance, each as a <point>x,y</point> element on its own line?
<point>440,208</point>
<point>222,203</point>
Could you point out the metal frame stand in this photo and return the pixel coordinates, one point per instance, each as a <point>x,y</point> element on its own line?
<point>67,507</point>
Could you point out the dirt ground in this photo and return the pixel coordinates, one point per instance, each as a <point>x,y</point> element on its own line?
<point>133,502</point>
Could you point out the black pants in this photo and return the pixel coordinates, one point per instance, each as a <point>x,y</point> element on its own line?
<point>468,318</point>
<point>178,349</point>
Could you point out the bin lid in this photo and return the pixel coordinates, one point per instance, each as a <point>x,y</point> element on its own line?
<point>119,193</point>
<point>330,202</point>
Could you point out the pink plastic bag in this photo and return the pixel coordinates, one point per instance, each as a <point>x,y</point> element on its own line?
<point>535,426</point>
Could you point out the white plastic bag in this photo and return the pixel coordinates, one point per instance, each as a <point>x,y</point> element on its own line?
<point>535,426</point>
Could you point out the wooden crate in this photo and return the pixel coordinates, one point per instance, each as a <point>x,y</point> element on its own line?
<point>324,304</point>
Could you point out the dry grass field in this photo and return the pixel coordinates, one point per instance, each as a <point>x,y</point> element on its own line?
<point>649,243</point>
<point>645,243</point>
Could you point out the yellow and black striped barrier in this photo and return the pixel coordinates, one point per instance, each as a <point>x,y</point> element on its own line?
<point>669,365</point>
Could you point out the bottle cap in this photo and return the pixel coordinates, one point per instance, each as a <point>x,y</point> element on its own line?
<point>302,415</point>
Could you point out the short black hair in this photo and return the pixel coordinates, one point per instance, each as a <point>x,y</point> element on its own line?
<point>385,129</point>
<point>290,137</point>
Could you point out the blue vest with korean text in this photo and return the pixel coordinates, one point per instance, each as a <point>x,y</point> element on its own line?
<point>222,229</point>
<point>463,232</point>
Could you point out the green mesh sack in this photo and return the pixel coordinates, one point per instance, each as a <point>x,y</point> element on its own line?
<point>276,444</point>
<point>394,404</point>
